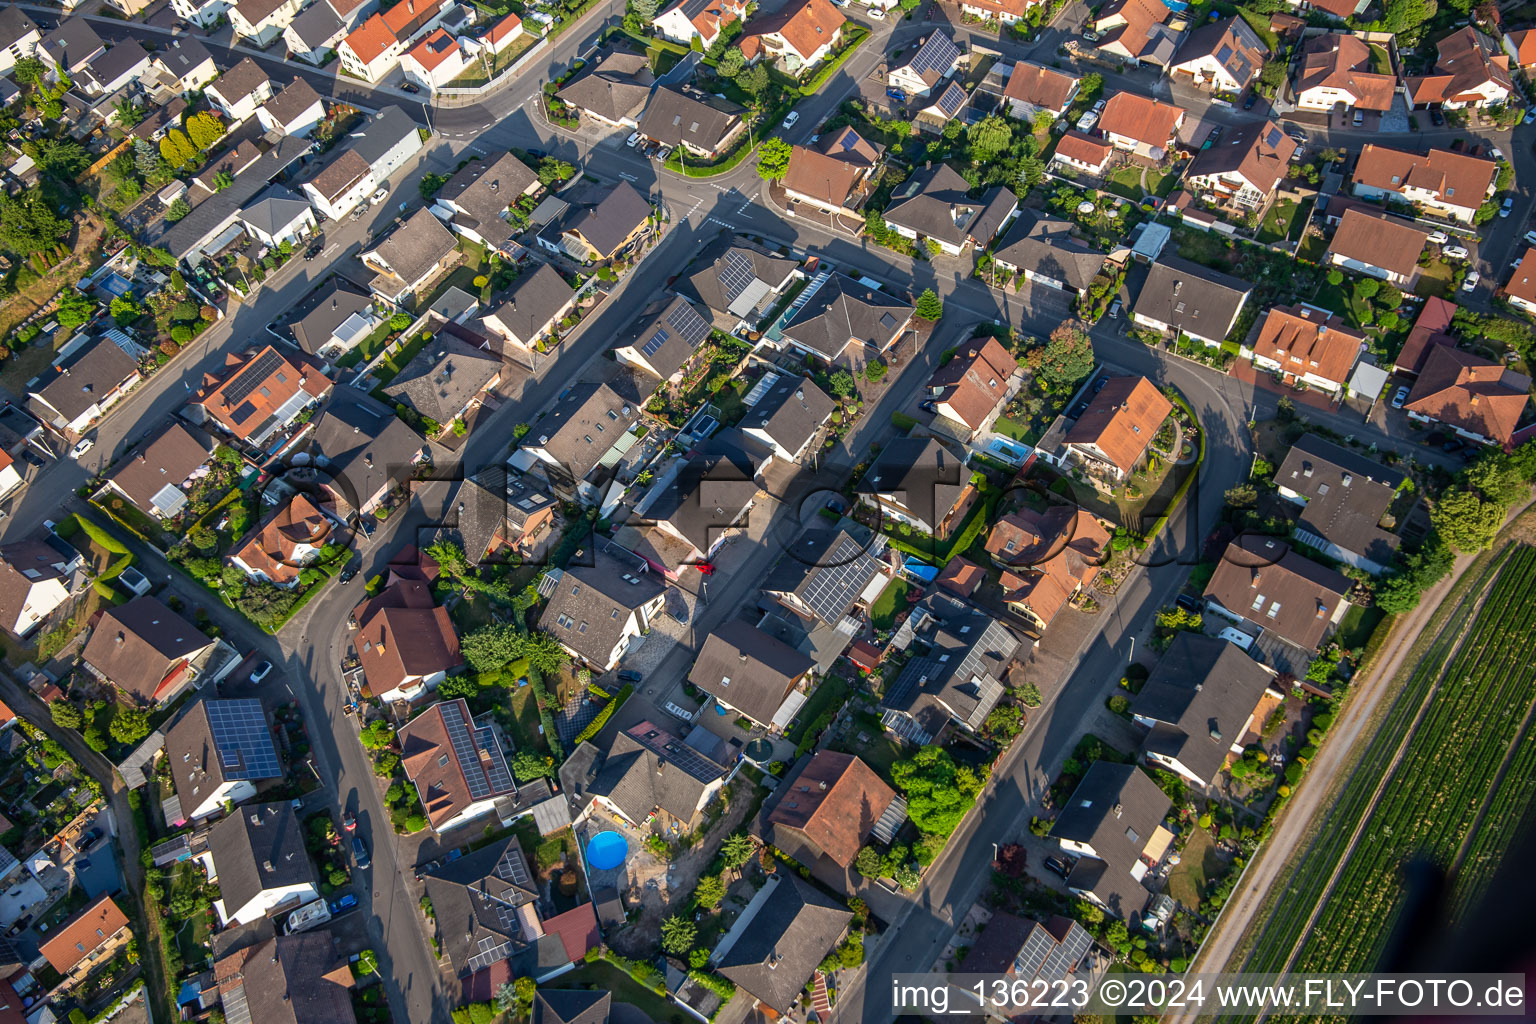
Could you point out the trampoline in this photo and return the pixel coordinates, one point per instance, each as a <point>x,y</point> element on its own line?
<point>606,851</point>
<point>759,750</point>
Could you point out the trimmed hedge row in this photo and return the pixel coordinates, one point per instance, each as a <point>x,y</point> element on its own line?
<point>596,725</point>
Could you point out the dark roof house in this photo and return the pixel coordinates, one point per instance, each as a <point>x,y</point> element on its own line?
<point>1344,498</point>
<point>749,671</point>
<point>776,944</point>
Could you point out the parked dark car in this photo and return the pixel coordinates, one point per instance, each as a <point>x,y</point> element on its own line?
<point>629,675</point>
<point>1098,385</point>
<point>1076,412</point>
<point>929,406</point>
<point>360,852</point>
<point>1436,118</point>
<point>410,87</point>
<point>1248,103</point>
<point>1453,445</point>
<point>1188,602</point>
<point>1058,865</point>
<point>89,840</point>
<point>343,904</point>
<point>347,575</point>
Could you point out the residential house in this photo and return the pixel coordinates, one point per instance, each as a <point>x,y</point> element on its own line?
<point>1470,71</point>
<point>1244,168</point>
<point>343,315</point>
<point>156,475</point>
<point>1432,328</point>
<point>411,254</point>
<point>1041,247</point>
<point>601,224</point>
<point>1047,558</point>
<point>829,572</point>
<point>188,62</point>
<point>832,174</point>
<point>599,611</point>
<point>687,20</point>
<point>259,394</point>
<point>614,91</point>
<point>1136,32</point>
<point>85,381</point>
<point>257,857</point>
<point>645,771</point>
<point>664,340</point>
<point>1441,182</point>
<point>798,36</point>
<point>1080,152</point>
<point>226,167</point>
<point>279,216</point>
<point>71,45</point>
<point>289,979</point>
<point>825,813</point>
<point>1479,399</point>
<point>774,947</point>
<point>499,36</point>
<point>1223,56</point>
<point>845,321</point>
<point>314,34</point>
<point>1308,344</point>
<point>1003,12</point>
<point>1379,245</point>
<point>1047,955</point>
<point>35,579</point>
<point>287,541</point>
<point>353,12</point>
<point>203,13</point>
<point>531,311</point>
<point>961,656</point>
<point>86,940</point>
<point>449,379</point>
<point>239,91</point>
<point>971,389</point>
<point>294,111</point>
<point>738,280</point>
<point>363,449</point>
<point>373,49</point>
<point>259,23</point>
<point>704,126</point>
<point>1032,88</point>
<point>495,509</point>
<point>934,206</point>
<point>218,751</point>
<point>1520,292</point>
<point>1113,434</point>
<point>1345,499</point>
<point>435,61</point>
<point>1113,823</point>
<point>147,651</point>
<point>478,200</point>
<point>933,61</point>
<point>405,643</point>
<point>920,482</point>
<point>1342,10</point>
<point>19,37</point>
<point>1204,702</point>
<point>1520,45</point>
<point>578,436</point>
<point>789,416</point>
<point>753,675</point>
<point>117,68</point>
<point>484,905</point>
<point>1182,296</point>
<point>1264,581</point>
<point>702,500</point>
<point>1336,72</point>
<point>377,151</point>
<point>455,763</point>
<point>1146,127</point>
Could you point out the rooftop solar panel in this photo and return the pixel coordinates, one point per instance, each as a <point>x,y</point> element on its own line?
<point>832,587</point>
<point>250,378</point>
<point>657,340</point>
<point>679,755</point>
<point>1224,54</point>
<point>242,739</point>
<point>464,750</point>
<point>496,772</point>
<point>685,320</point>
<point>937,54</point>
<point>735,272</point>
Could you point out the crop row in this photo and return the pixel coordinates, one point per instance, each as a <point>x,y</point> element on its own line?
<point>1504,819</point>
<point>1502,612</point>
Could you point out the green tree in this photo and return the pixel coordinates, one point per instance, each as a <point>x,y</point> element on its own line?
<point>129,724</point>
<point>127,113</point>
<point>29,71</point>
<point>867,863</point>
<point>1498,477</point>
<point>61,158</point>
<point>1404,16</point>
<point>938,791</point>
<point>754,81</point>
<point>377,735</point>
<point>177,148</point>
<point>399,321</point>
<point>28,223</point>
<point>773,159</point>
<point>203,130</point>
<point>1063,361</point>
<point>178,209</point>
<point>840,384</point>
<point>929,305</point>
<point>368,962</point>
<point>989,138</point>
<point>527,766</point>
<point>553,170</point>
<point>430,185</point>
<point>736,850</point>
<point>1466,522</point>
<point>125,311</point>
<point>1090,88</point>
<point>222,180</point>
<point>645,10</point>
<point>65,714</point>
<point>1170,621</point>
<point>732,62</point>
<point>677,935</point>
<point>75,308</point>
<point>710,892</point>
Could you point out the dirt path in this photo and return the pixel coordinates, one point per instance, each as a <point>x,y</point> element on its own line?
<point>1337,756</point>
<point>37,294</point>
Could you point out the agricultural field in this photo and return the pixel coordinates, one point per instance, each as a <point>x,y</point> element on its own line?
<point>1449,777</point>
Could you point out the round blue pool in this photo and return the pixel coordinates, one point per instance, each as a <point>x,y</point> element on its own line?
<point>606,851</point>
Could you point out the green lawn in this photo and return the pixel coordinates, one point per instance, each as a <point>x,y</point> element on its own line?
<point>1016,430</point>
<point>390,366</point>
<point>1436,279</point>
<point>1313,248</point>
<point>1357,625</point>
<point>1125,181</point>
<point>893,599</point>
<point>1197,864</point>
<point>1284,220</point>
<point>1381,64</point>
<point>368,347</point>
<point>607,978</point>
<point>880,751</point>
<point>1333,297</point>
<point>831,695</point>
<point>1260,25</point>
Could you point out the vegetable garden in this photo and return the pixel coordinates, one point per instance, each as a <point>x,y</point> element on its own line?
<point>1452,753</point>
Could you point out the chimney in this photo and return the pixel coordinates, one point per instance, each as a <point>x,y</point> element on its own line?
<point>1215,734</point>
<point>660,766</point>
<point>1118,810</point>
<point>823,785</point>
<point>368,459</point>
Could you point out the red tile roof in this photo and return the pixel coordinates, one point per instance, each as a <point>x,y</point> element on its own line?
<point>1121,420</point>
<point>835,801</point>
<point>83,934</point>
<point>1470,392</point>
<point>1429,329</point>
<point>1148,121</point>
<point>1304,339</point>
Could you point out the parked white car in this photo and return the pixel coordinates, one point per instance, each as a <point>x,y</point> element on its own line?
<point>1470,284</point>
<point>82,446</point>
<point>1438,238</point>
<point>1508,206</point>
<point>634,137</point>
<point>1530,237</point>
<point>1400,397</point>
<point>378,197</point>
<point>792,119</point>
<point>1455,252</point>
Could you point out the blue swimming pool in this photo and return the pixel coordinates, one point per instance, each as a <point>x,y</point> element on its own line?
<point>606,851</point>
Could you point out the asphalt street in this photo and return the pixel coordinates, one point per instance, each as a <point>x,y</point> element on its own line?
<point>309,648</point>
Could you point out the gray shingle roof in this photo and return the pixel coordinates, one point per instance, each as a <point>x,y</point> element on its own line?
<point>484,190</point>
<point>316,25</point>
<point>412,249</point>
<point>1190,297</point>
<point>920,474</point>
<point>94,369</point>
<point>363,443</point>
<point>274,210</point>
<point>259,847</point>
<point>444,377</point>
<point>337,301</point>
<point>935,204</point>
<point>1201,694</point>
<point>295,98</point>
<point>217,741</point>
<point>960,673</point>
<point>14,25</point>
<point>184,55</point>
<point>644,769</point>
<point>591,604</point>
<point>1044,245</point>
<point>667,334</point>
<point>240,81</point>
<point>534,302</point>
<point>827,568</point>
<point>842,312</point>
<point>748,669</point>
<point>292,979</point>
<point>469,897</point>
<point>1114,810</point>
<point>606,223</point>
<point>210,215</point>
<point>1346,493</point>
<point>71,43</point>
<point>582,426</point>
<point>702,121</point>
<point>791,412</point>
<point>734,276</point>
<point>775,946</point>
<point>711,491</point>
<point>615,89</point>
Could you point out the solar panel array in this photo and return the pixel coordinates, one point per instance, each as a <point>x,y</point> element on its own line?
<point>491,952</point>
<point>735,273</point>
<point>240,735</point>
<point>499,778</point>
<point>1272,137</point>
<point>938,54</point>
<point>464,749</point>
<point>251,377</point>
<point>1064,956</point>
<point>685,320</point>
<point>680,755</point>
<point>512,867</point>
<point>1224,54</point>
<point>831,588</point>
